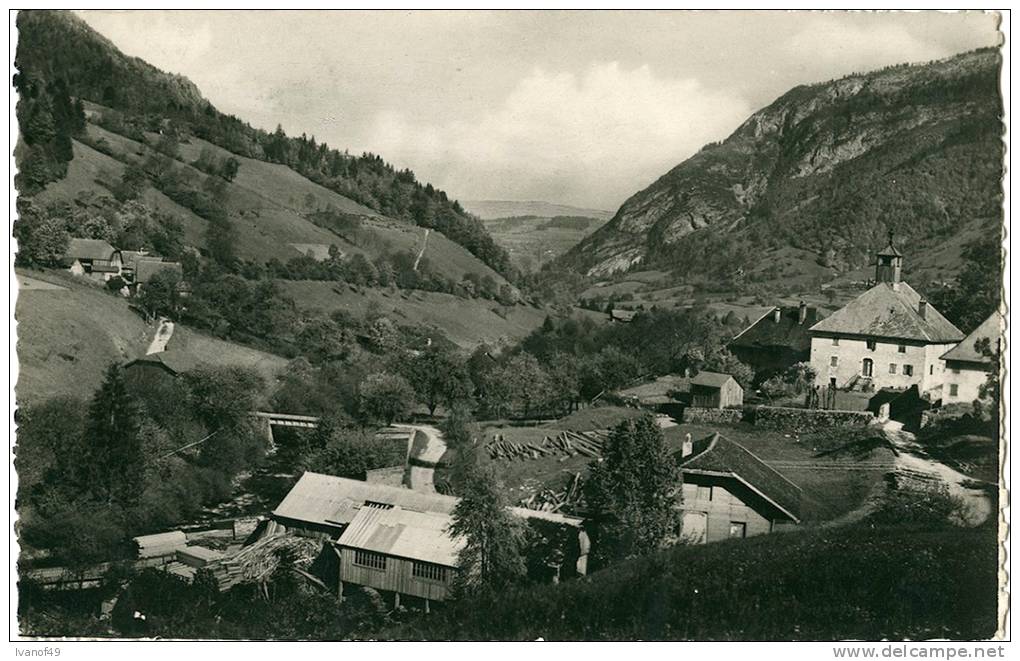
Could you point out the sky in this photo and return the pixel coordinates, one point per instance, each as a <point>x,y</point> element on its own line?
<point>571,107</point>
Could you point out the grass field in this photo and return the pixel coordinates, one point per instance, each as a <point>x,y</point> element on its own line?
<point>467,322</point>
<point>531,241</point>
<point>68,337</point>
<point>834,482</point>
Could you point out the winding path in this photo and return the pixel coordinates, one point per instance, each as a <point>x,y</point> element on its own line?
<point>164,332</point>
<point>422,465</point>
<point>424,245</point>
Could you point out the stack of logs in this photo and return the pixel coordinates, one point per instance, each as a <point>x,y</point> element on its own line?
<point>256,563</point>
<point>566,443</point>
<point>548,500</point>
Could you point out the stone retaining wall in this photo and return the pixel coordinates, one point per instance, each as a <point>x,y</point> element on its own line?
<point>716,416</point>
<point>808,420</point>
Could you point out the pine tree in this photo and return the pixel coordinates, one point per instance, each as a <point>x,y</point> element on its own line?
<point>113,467</point>
<point>632,493</point>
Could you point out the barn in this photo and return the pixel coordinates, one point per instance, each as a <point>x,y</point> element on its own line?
<point>92,258</point>
<point>728,492</point>
<point>713,390</point>
<point>397,540</point>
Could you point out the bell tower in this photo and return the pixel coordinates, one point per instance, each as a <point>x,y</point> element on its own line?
<point>889,263</point>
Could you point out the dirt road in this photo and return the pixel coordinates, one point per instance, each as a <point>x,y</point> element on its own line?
<point>423,463</point>
<point>977,506</point>
<point>163,334</point>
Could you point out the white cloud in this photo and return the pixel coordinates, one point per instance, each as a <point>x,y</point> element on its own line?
<point>590,139</point>
<point>831,40</point>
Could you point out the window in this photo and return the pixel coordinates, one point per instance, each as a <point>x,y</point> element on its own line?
<point>378,506</point>
<point>833,361</point>
<point>908,370</point>
<point>704,493</point>
<point>871,345</point>
<point>956,370</point>
<point>892,368</point>
<point>835,341</point>
<point>738,529</point>
<point>369,559</point>
<point>429,571</point>
<point>902,348</point>
<point>954,390</point>
<point>867,367</point>
<point>931,369</point>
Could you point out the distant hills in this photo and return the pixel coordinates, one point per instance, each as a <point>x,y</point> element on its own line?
<point>491,209</point>
<point>809,186</point>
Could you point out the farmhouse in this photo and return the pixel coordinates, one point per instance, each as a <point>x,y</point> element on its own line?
<point>777,340</point>
<point>713,390</point>
<point>888,337</point>
<point>621,315</point>
<point>729,492</point>
<point>397,540</point>
<point>92,258</point>
<point>146,268</point>
<point>967,367</point>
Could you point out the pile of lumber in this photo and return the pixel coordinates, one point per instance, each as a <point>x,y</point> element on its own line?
<point>548,500</point>
<point>566,443</point>
<point>161,544</point>
<point>259,560</point>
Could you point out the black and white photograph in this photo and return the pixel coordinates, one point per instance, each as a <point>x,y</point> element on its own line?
<point>499,325</point>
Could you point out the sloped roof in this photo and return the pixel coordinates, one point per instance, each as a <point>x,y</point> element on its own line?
<point>788,332</point>
<point>404,533</point>
<point>335,501</point>
<point>889,251</point>
<point>883,311</point>
<point>89,249</point>
<point>177,362</point>
<point>145,269</point>
<point>129,257</point>
<point>622,315</point>
<point>990,329</point>
<point>718,455</point>
<point>657,391</point>
<point>710,379</point>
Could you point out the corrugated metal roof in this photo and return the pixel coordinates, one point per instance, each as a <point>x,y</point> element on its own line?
<point>404,533</point>
<point>990,329</point>
<point>335,501</point>
<point>893,313</point>
<point>89,249</point>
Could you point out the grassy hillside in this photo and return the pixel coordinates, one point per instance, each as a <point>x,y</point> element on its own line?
<point>69,331</point>
<point>467,322</point>
<point>856,582</point>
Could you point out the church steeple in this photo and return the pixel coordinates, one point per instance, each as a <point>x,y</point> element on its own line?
<point>889,263</point>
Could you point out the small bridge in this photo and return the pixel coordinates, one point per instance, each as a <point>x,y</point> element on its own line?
<point>270,420</point>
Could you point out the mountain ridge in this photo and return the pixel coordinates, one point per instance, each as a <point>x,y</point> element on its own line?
<point>829,168</point>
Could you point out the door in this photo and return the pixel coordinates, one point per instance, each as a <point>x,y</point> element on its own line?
<point>868,367</point>
<point>694,527</point>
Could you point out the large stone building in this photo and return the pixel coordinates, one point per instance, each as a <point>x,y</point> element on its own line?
<point>888,337</point>
<point>967,365</point>
<point>776,340</point>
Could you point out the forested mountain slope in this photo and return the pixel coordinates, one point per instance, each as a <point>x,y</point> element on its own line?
<point>826,171</point>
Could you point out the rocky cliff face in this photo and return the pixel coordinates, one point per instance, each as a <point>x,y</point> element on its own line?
<point>828,169</point>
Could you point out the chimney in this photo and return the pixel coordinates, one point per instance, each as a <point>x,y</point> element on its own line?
<point>802,313</point>
<point>922,308</point>
<point>688,446</point>
<point>777,315</point>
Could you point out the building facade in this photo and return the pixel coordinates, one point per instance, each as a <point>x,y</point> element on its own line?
<point>968,366</point>
<point>888,337</point>
<point>728,492</point>
<point>776,341</point>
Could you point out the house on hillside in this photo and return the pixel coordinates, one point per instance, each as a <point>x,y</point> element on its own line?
<point>713,390</point>
<point>777,340</point>
<point>129,258</point>
<point>155,368</point>
<point>728,492</point>
<point>888,337</point>
<point>622,316</point>
<point>967,368</point>
<point>92,258</point>
<point>145,269</point>
<point>407,552</point>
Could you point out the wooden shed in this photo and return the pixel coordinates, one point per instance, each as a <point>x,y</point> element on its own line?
<point>716,391</point>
